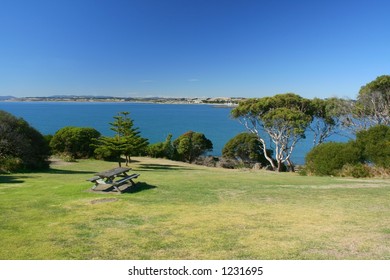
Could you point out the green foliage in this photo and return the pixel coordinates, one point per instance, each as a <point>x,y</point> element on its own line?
<point>127,140</point>
<point>329,158</point>
<point>74,142</point>
<point>326,118</point>
<point>282,118</point>
<point>191,145</point>
<point>373,103</point>
<point>375,145</point>
<point>21,146</point>
<point>162,149</point>
<point>246,148</point>
<point>358,170</point>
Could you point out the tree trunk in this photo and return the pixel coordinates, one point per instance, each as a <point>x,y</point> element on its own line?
<point>290,165</point>
<point>280,166</point>
<point>270,160</point>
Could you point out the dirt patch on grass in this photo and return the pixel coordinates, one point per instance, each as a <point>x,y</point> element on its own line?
<point>55,161</point>
<point>103,200</point>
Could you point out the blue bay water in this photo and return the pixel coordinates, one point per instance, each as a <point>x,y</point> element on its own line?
<point>155,121</point>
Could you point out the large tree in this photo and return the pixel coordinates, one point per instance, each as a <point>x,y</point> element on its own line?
<point>127,140</point>
<point>282,118</point>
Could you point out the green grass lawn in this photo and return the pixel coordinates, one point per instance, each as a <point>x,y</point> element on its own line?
<point>182,211</point>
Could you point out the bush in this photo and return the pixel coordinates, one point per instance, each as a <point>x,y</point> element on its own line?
<point>358,170</point>
<point>191,145</point>
<point>245,147</point>
<point>21,146</point>
<point>74,142</point>
<point>329,158</point>
<point>375,145</point>
<point>161,149</point>
<point>10,164</point>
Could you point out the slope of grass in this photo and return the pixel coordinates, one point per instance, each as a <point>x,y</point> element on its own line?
<point>182,211</point>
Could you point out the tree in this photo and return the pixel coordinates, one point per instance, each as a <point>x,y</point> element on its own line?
<point>191,145</point>
<point>284,118</point>
<point>371,108</point>
<point>127,140</point>
<point>21,146</point>
<point>246,148</point>
<point>162,149</point>
<point>75,142</point>
<point>374,101</point>
<point>375,145</point>
<point>327,119</point>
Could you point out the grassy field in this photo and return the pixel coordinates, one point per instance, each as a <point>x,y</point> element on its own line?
<point>182,211</point>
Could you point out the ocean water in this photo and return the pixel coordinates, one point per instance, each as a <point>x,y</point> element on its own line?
<point>155,121</point>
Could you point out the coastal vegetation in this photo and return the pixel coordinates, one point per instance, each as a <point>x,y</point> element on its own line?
<point>276,125</point>
<point>191,145</point>
<point>247,149</point>
<point>21,146</point>
<point>180,210</point>
<point>74,142</point>
<point>126,142</point>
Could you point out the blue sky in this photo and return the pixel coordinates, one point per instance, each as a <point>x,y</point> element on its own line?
<point>192,48</point>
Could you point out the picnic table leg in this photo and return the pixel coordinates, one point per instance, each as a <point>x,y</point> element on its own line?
<point>117,188</point>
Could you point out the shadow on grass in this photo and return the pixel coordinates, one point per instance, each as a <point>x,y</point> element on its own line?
<point>13,179</point>
<point>148,167</point>
<point>62,171</point>
<point>139,187</point>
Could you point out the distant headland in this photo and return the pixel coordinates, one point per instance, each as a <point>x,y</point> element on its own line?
<point>221,101</point>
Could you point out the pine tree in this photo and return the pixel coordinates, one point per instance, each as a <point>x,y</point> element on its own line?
<point>127,140</point>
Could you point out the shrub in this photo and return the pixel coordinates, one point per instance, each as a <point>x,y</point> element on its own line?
<point>329,158</point>
<point>161,149</point>
<point>358,170</point>
<point>375,145</point>
<point>245,147</point>
<point>74,142</point>
<point>191,145</point>
<point>10,164</point>
<point>21,146</point>
<point>227,163</point>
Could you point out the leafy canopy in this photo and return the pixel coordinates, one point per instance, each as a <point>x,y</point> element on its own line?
<point>282,118</point>
<point>74,141</point>
<point>191,145</point>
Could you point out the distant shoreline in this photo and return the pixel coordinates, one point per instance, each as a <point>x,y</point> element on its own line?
<point>218,101</point>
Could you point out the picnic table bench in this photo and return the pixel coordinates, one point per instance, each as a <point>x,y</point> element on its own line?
<point>108,179</point>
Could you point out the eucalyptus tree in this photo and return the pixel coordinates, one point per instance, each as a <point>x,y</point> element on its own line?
<point>373,101</point>
<point>372,106</point>
<point>282,118</point>
<point>327,118</point>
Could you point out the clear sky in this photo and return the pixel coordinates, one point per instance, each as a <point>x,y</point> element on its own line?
<point>192,48</point>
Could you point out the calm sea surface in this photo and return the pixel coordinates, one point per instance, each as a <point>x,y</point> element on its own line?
<point>155,121</point>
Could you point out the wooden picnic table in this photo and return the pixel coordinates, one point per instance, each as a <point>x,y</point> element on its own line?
<point>107,179</point>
